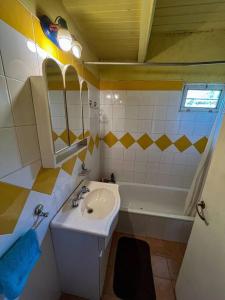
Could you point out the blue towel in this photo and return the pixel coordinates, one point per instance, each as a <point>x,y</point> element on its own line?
<point>17,263</point>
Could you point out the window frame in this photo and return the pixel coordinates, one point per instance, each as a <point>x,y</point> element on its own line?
<point>201,86</point>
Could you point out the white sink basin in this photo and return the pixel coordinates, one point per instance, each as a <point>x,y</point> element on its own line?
<point>96,212</point>
<point>98,203</point>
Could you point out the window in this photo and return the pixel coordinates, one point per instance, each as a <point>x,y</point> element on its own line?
<point>202,97</point>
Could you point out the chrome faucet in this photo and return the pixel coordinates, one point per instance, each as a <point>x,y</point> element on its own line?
<point>84,170</point>
<point>79,196</point>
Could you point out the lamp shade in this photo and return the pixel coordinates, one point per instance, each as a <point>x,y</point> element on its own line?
<point>64,39</point>
<point>76,49</point>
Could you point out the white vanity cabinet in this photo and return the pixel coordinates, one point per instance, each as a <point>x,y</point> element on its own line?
<point>82,237</point>
<point>82,260</point>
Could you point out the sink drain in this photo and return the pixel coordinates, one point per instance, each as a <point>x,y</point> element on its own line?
<point>90,210</point>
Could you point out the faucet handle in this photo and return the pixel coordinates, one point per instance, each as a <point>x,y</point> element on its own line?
<point>85,189</point>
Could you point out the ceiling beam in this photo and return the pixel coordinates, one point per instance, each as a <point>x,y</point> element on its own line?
<point>147,15</point>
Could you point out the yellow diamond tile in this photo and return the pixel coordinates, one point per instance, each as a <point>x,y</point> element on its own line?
<point>110,139</point>
<point>54,136</point>
<point>64,136</point>
<point>81,137</point>
<point>91,145</point>
<point>163,142</point>
<point>45,180</point>
<point>97,139</point>
<point>73,137</point>
<point>12,201</point>
<point>82,155</point>
<point>127,140</point>
<point>87,134</point>
<point>68,166</point>
<point>182,143</point>
<point>145,141</point>
<point>201,144</point>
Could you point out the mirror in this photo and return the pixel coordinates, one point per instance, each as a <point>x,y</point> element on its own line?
<point>74,105</point>
<point>86,108</point>
<point>57,105</point>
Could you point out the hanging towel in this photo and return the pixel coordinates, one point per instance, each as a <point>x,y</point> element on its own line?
<point>17,263</point>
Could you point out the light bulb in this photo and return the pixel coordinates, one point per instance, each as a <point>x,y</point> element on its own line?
<point>64,39</point>
<point>76,49</point>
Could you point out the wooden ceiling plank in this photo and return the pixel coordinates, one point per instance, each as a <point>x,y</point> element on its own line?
<point>146,21</point>
<point>181,10</point>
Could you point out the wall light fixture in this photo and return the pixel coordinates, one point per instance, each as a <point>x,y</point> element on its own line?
<point>59,34</point>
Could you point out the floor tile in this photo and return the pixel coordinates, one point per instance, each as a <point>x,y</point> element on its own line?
<point>166,258</point>
<point>164,289</point>
<point>160,267</point>
<point>174,268</point>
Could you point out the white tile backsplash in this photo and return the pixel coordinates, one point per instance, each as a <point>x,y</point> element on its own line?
<point>22,103</point>
<point>9,152</point>
<point>28,144</point>
<point>156,113</point>
<point>6,118</point>
<point>19,62</point>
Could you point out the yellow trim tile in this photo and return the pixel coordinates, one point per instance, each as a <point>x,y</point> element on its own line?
<point>163,142</point>
<point>91,145</point>
<point>42,41</point>
<point>110,139</point>
<point>72,136</point>
<point>182,143</point>
<point>45,180</point>
<point>142,85</point>
<point>17,16</point>
<point>145,141</point>
<point>127,140</point>
<point>54,136</point>
<point>13,199</point>
<point>68,166</point>
<point>82,155</point>
<point>201,144</point>
<point>64,136</point>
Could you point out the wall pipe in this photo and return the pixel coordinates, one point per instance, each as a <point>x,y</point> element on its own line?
<point>155,64</point>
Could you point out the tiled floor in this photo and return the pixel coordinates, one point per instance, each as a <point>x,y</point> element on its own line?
<point>166,261</point>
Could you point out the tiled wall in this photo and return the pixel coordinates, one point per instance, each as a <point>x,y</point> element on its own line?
<point>23,182</point>
<point>146,139</point>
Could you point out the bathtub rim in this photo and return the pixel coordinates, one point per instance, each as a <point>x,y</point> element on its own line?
<point>153,186</point>
<point>156,214</point>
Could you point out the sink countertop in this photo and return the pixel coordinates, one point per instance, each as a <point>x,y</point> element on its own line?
<point>73,219</point>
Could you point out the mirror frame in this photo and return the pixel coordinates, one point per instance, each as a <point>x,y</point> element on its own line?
<point>44,67</point>
<point>81,90</point>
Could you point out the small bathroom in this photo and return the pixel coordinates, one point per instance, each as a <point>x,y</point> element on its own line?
<point>112,140</point>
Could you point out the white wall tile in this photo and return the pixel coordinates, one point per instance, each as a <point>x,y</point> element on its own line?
<point>159,112</point>
<point>19,62</point>
<point>145,112</point>
<point>28,144</point>
<point>158,127</point>
<point>118,111</point>
<point>131,112</point>
<point>1,65</point>
<point>156,113</point>
<point>22,102</point>
<point>25,176</point>
<point>9,152</point>
<point>6,119</point>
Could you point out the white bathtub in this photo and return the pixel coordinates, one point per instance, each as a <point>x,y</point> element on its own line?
<point>154,211</point>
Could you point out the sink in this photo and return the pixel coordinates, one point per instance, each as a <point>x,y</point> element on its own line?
<point>97,212</point>
<point>98,203</point>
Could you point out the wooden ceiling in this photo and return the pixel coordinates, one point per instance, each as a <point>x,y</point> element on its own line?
<point>189,15</point>
<point>118,30</point>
